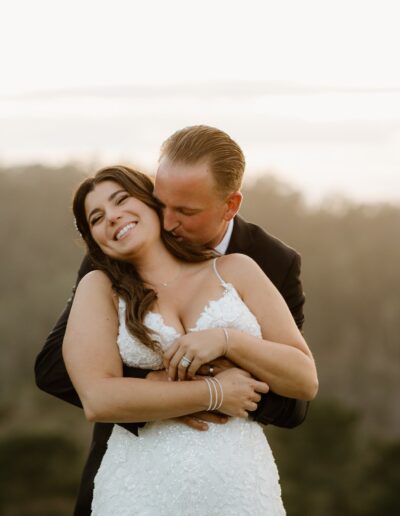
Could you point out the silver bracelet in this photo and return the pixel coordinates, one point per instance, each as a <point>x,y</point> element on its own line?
<point>207,380</point>
<point>222,393</point>
<point>215,392</point>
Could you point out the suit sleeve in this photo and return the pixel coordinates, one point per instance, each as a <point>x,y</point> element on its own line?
<point>275,409</point>
<point>292,291</point>
<point>50,372</point>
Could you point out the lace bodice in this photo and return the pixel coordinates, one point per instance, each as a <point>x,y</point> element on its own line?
<point>228,311</point>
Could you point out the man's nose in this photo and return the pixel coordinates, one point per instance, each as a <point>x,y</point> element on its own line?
<point>170,221</point>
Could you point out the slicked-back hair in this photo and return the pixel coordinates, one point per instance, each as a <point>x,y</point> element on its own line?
<point>202,143</point>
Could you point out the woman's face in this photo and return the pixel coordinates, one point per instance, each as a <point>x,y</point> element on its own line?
<point>121,225</point>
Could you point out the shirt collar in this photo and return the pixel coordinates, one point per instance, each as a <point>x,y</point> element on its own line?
<point>223,245</point>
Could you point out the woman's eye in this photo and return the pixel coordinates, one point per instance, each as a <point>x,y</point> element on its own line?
<point>122,199</point>
<point>95,221</point>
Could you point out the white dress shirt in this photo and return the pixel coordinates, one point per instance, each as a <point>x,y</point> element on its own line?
<point>223,245</point>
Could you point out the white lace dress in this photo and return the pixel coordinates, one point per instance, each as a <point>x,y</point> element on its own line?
<point>173,470</point>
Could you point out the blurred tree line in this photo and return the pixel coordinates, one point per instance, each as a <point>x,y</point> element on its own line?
<point>343,460</point>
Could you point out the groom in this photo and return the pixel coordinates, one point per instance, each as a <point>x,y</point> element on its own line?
<point>199,176</point>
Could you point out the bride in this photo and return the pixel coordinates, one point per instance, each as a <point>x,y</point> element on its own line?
<point>160,304</point>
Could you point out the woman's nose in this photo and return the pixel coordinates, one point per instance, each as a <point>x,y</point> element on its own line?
<point>113,216</point>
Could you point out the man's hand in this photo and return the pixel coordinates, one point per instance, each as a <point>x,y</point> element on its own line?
<point>215,366</point>
<point>199,420</point>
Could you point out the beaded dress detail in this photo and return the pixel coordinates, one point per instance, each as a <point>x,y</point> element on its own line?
<point>173,470</point>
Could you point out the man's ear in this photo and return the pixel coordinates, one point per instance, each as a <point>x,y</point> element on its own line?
<point>233,203</point>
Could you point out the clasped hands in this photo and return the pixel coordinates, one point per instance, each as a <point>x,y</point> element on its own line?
<point>206,352</point>
<point>196,349</point>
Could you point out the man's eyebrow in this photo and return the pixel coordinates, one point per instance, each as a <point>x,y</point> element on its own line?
<point>186,208</point>
<point>110,198</point>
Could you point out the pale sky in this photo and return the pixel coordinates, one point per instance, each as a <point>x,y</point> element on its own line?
<point>47,44</point>
<point>309,88</point>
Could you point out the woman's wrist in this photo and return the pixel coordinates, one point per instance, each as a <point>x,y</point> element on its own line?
<point>215,392</point>
<point>225,345</point>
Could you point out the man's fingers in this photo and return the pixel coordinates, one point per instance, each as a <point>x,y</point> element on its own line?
<point>193,422</point>
<point>212,417</point>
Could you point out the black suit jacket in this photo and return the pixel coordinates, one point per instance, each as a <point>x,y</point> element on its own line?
<point>279,262</point>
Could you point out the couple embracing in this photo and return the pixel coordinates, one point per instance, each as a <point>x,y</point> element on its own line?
<point>183,335</point>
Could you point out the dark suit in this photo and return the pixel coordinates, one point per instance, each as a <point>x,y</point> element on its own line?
<point>280,263</point>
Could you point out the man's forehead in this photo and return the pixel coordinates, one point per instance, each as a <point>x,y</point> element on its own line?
<point>177,197</point>
<point>183,185</point>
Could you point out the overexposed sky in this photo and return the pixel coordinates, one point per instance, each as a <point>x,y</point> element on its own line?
<point>309,88</point>
<point>48,44</point>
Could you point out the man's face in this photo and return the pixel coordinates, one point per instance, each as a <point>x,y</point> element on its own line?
<point>193,209</point>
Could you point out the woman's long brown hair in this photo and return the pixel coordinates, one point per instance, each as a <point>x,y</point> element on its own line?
<point>124,277</point>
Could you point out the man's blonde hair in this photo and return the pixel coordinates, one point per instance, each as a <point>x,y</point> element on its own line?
<point>201,143</point>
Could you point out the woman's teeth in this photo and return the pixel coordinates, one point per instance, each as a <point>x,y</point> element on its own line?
<point>125,230</point>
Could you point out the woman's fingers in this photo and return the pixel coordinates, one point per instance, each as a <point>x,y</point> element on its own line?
<point>174,364</point>
<point>251,406</point>
<point>184,364</point>
<point>170,353</point>
<point>256,397</point>
<point>260,386</point>
<point>193,368</point>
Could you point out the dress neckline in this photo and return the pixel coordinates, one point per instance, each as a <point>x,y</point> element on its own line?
<point>228,287</point>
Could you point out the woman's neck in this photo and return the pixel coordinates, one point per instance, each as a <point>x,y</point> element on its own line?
<point>157,266</point>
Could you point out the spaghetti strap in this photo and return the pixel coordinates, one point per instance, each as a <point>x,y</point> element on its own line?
<point>223,283</point>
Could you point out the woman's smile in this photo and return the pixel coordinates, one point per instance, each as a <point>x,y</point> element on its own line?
<point>121,233</point>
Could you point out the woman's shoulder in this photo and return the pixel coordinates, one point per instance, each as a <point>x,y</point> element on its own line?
<point>237,268</point>
<point>235,261</point>
<point>95,281</point>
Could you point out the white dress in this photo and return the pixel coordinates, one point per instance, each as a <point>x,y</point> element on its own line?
<point>173,470</point>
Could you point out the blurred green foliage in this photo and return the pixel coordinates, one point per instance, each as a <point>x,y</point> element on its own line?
<point>38,475</point>
<point>342,460</point>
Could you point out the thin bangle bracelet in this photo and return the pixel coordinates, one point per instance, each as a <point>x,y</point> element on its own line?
<point>210,393</point>
<point>222,393</point>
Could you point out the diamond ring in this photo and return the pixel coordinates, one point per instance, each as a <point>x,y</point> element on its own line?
<point>185,362</point>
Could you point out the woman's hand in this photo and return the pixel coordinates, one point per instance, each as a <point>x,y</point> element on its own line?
<point>198,347</point>
<point>241,392</point>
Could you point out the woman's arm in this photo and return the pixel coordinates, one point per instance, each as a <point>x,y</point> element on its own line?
<point>50,372</point>
<point>282,359</point>
<point>93,362</point>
